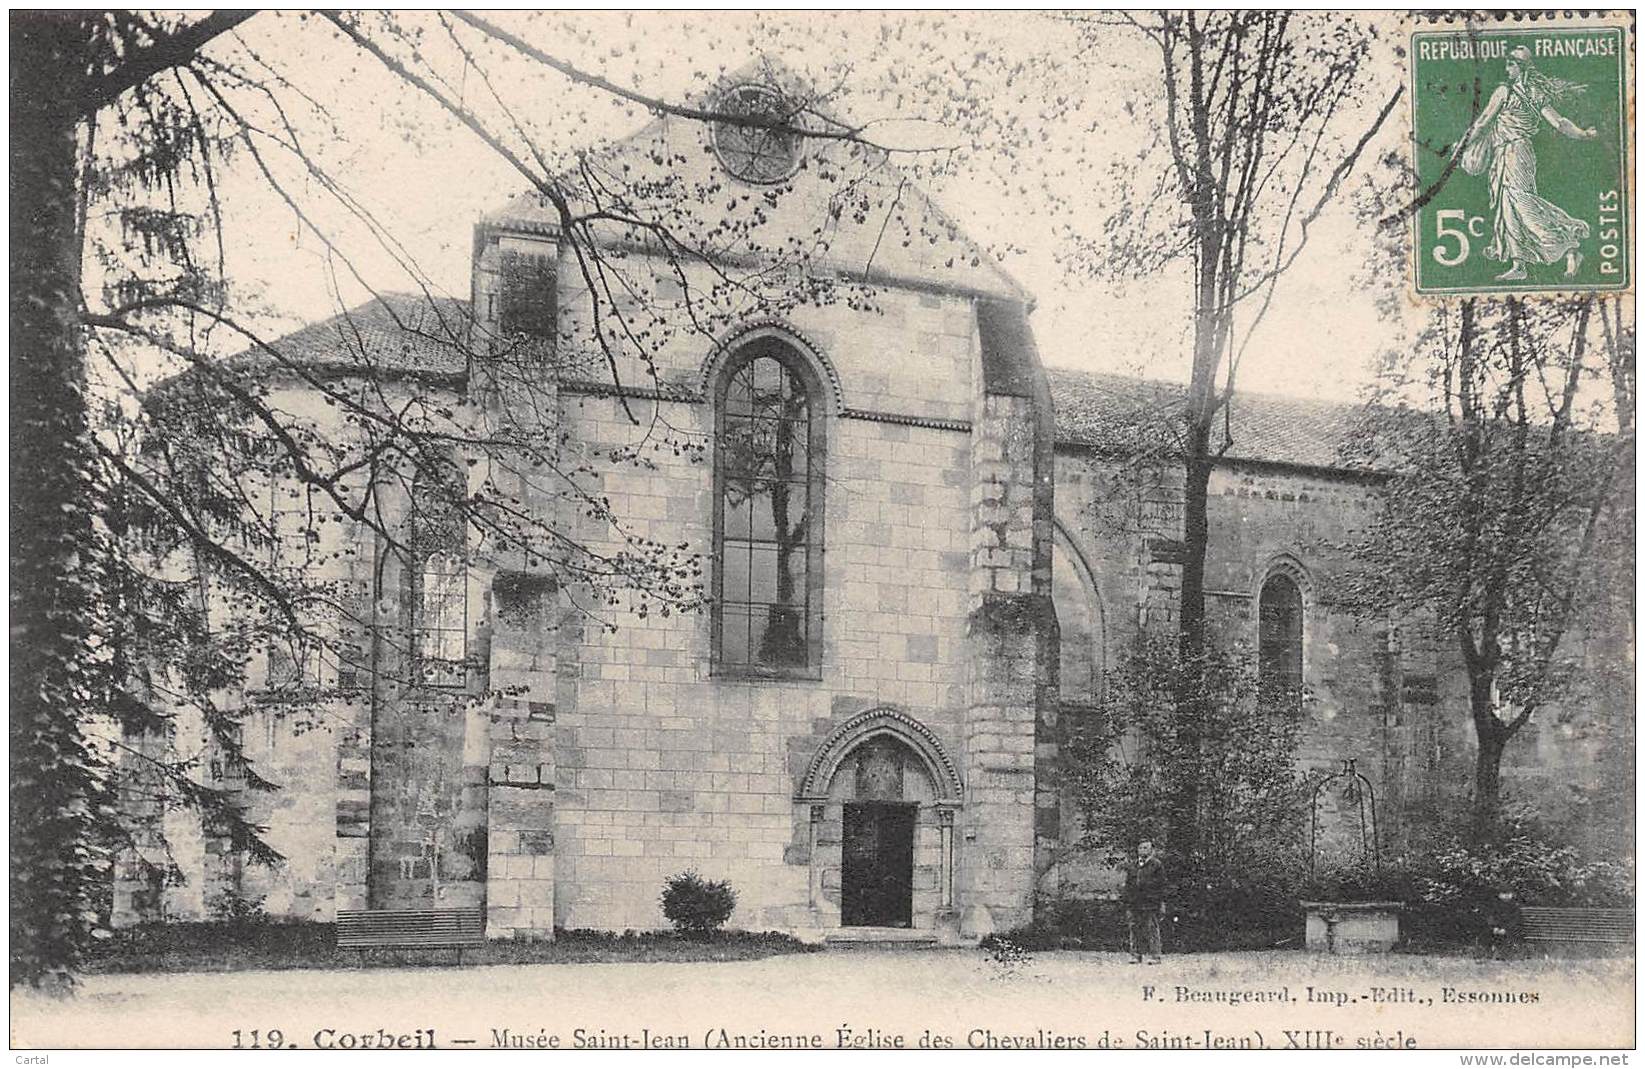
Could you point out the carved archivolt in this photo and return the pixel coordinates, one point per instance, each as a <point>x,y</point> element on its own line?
<point>945,778</point>
<point>1293,569</point>
<point>770,327</point>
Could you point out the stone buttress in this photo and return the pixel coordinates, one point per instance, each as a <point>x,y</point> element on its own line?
<point>1010,816</point>
<point>515,300</point>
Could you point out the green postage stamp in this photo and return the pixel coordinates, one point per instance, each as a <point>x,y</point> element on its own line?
<point>1521,141</point>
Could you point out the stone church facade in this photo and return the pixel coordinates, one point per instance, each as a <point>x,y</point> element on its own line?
<point>909,524</point>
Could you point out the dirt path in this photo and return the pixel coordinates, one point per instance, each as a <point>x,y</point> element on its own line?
<point>868,998</point>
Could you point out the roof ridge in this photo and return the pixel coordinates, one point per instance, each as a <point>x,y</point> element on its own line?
<point>1146,380</point>
<point>420,295</point>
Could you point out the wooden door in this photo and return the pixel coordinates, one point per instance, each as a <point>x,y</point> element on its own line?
<point>877,878</point>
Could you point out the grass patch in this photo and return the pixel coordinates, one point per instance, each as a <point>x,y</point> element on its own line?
<point>1081,924</point>
<point>236,947</point>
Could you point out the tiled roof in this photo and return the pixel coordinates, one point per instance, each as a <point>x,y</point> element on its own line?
<point>397,332</point>
<point>1122,415</point>
<point>1115,414</point>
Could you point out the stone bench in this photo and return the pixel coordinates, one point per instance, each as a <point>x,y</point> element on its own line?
<point>410,929</point>
<point>1576,924</point>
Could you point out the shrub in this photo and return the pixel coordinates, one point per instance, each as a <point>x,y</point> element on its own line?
<point>237,910</point>
<point>1459,892</point>
<point>1198,917</point>
<point>1008,956</point>
<point>1069,923</point>
<point>1362,882</point>
<point>1221,911</point>
<point>697,906</point>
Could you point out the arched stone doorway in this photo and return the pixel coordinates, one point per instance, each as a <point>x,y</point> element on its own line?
<point>881,795</point>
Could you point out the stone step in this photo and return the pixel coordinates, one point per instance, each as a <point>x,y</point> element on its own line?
<point>880,937</point>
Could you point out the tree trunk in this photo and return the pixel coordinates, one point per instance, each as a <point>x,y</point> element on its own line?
<point>1200,412</point>
<point>1196,536</point>
<point>1492,738</point>
<point>1488,784</point>
<point>54,791</point>
<point>1191,644</point>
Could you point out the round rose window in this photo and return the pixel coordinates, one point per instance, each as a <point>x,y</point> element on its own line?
<point>756,153</point>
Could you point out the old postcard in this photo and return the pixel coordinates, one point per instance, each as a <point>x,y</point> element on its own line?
<point>931,530</point>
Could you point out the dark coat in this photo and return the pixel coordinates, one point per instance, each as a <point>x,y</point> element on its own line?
<point>1144,884</point>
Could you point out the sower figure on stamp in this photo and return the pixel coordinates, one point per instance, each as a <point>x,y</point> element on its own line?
<point>1527,228</point>
<point>1144,897</point>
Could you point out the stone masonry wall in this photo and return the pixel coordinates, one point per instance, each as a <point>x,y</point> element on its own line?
<point>520,821</point>
<point>664,766</point>
<point>1392,696</point>
<point>1125,520</point>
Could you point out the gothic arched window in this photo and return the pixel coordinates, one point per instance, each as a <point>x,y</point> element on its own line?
<point>439,581</point>
<point>767,515</point>
<point>1279,644</point>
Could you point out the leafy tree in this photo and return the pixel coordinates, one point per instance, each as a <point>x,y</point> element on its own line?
<point>1131,762</point>
<point>165,484</point>
<point>1258,120</point>
<point>58,676</point>
<point>1507,523</point>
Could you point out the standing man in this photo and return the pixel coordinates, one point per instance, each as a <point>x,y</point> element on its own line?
<point>1144,897</point>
